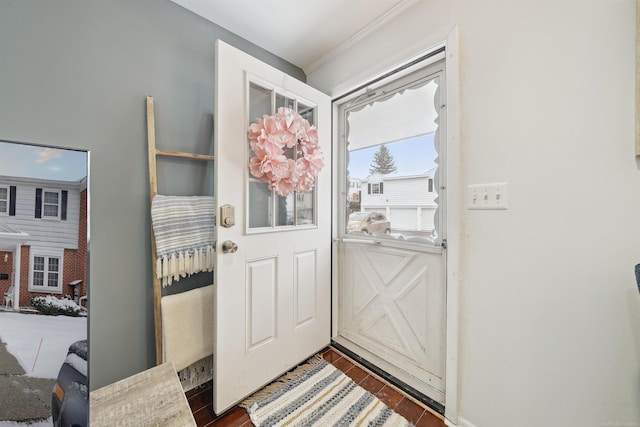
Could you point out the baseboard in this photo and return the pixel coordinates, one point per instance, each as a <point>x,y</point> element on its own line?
<point>461,423</point>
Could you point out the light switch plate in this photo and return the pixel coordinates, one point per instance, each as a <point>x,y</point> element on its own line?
<point>488,196</point>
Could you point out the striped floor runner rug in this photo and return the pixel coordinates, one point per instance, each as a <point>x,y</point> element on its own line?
<point>317,394</point>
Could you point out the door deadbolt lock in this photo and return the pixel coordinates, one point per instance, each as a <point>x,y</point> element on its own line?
<point>229,247</point>
<point>227,216</point>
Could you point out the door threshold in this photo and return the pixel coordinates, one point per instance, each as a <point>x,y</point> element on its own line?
<point>421,397</point>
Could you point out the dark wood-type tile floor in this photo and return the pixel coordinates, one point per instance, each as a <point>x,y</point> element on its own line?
<point>200,399</point>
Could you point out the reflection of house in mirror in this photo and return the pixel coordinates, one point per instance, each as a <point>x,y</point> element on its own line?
<point>408,199</point>
<point>43,238</point>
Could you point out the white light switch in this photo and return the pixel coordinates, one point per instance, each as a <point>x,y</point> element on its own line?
<point>488,196</point>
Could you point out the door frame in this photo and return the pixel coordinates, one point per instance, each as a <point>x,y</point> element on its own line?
<point>454,206</point>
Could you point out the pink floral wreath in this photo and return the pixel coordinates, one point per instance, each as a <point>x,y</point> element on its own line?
<point>287,155</point>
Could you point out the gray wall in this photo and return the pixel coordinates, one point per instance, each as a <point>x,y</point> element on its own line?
<point>75,74</point>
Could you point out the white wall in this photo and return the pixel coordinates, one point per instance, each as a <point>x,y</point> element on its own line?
<point>549,312</point>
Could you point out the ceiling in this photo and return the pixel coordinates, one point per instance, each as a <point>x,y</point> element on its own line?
<point>306,33</point>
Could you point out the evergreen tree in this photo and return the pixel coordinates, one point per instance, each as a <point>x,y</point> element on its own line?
<point>382,162</point>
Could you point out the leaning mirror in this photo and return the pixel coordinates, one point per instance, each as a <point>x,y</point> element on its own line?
<point>44,246</point>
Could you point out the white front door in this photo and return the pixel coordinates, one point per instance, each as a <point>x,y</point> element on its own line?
<point>391,250</point>
<point>272,304</point>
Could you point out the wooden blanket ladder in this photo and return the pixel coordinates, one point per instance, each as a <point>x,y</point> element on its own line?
<point>153,153</point>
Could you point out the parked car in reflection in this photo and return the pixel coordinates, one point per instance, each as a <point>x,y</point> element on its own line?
<point>70,397</point>
<point>368,223</point>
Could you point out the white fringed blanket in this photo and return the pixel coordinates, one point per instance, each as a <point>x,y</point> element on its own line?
<point>184,232</point>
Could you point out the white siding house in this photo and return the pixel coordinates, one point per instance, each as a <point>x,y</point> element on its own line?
<point>407,199</point>
<point>44,246</point>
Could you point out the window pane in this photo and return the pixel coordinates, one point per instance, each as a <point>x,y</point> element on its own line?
<point>50,210</point>
<point>38,278</point>
<point>260,197</point>
<point>306,112</point>
<point>53,280</point>
<point>284,210</point>
<point>304,207</point>
<point>283,101</point>
<point>259,205</point>
<point>53,264</point>
<point>3,193</point>
<point>3,206</point>
<point>38,263</point>
<point>259,102</point>
<point>50,197</point>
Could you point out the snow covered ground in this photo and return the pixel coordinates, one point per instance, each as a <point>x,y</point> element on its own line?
<point>39,342</point>
<point>43,423</point>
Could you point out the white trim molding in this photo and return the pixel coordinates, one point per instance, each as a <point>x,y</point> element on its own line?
<point>461,423</point>
<point>359,35</point>
<point>454,209</point>
<point>454,206</point>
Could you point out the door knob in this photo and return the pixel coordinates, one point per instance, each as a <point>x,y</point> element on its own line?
<point>229,247</point>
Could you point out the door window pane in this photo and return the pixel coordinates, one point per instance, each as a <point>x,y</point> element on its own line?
<point>284,210</point>
<point>284,101</point>
<point>306,112</point>
<point>259,101</point>
<point>265,207</point>
<point>304,207</point>
<point>260,198</point>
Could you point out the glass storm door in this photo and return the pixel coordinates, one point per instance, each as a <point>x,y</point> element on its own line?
<point>390,227</point>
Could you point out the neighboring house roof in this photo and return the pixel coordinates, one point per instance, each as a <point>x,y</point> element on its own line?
<point>10,237</point>
<point>410,174</point>
<point>79,185</point>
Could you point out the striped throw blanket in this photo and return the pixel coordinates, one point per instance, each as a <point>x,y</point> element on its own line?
<point>183,227</point>
<point>318,394</point>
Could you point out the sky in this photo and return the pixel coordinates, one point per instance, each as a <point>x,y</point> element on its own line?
<point>409,155</point>
<point>34,161</point>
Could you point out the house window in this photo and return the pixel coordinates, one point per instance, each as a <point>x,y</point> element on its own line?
<point>376,188</point>
<point>46,271</point>
<point>430,184</point>
<point>51,204</point>
<point>4,200</point>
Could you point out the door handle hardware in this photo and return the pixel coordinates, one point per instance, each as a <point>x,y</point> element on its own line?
<point>227,216</point>
<point>229,247</point>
